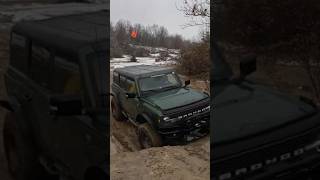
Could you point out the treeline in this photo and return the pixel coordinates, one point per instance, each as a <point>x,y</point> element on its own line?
<point>195,58</point>
<point>154,36</point>
<point>266,22</point>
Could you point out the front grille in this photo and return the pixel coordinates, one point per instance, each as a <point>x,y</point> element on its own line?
<point>185,125</point>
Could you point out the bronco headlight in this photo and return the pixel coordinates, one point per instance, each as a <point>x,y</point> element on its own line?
<point>167,119</point>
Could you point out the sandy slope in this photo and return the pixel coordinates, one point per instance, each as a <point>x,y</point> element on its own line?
<point>190,162</point>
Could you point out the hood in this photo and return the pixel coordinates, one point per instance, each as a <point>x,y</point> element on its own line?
<point>175,98</point>
<point>241,111</point>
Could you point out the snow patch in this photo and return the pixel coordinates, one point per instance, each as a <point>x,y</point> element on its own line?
<point>125,61</point>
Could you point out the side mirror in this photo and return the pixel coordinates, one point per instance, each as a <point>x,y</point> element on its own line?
<point>130,95</point>
<point>187,83</point>
<point>65,105</point>
<point>248,65</point>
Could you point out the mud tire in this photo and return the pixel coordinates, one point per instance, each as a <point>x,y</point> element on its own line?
<point>116,111</point>
<point>148,137</point>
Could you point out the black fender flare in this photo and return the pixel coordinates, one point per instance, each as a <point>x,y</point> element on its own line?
<point>115,98</point>
<point>147,119</point>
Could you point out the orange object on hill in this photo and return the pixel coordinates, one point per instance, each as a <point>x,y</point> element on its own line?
<point>134,34</point>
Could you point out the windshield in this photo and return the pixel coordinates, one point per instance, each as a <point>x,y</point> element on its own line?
<point>159,82</point>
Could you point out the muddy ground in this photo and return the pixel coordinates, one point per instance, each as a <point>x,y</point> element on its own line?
<point>128,161</point>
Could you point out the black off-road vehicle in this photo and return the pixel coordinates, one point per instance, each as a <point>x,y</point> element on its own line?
<point>154,99</point>
<point>259,133</point>
<point>57,84</point>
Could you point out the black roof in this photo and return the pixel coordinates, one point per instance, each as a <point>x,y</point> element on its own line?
<point>143,70</point>
<point>68,33</point>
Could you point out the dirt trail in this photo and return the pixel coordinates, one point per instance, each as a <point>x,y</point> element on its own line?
<point>124,136</point>
<point>128,161</point>
<point>190,162</point>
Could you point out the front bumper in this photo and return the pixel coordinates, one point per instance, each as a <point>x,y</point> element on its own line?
<point>186,131</point>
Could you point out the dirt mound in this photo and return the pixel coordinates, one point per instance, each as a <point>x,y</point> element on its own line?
<point>169,162</point>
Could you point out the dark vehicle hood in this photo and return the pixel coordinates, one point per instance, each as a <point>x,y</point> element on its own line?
<point>175,98</point>
<point>241,112</point>
<point>253,126</point>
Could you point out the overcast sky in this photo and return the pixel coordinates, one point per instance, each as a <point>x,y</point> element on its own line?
<point>148,12</point>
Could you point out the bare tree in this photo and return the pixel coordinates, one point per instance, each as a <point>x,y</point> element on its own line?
<point>197,10</point>
<point>154,35</point>
<point>162,36</point>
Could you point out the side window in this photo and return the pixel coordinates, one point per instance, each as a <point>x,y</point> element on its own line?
<point>116,77</point>
<point>19,52</point>
<point>66,77</point>
<point>130,86</point>
<point>40,64</point>
<point>123,82</point>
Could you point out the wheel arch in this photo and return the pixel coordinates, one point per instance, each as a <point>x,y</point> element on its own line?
<point>143,118</point>
<point>115,100</point>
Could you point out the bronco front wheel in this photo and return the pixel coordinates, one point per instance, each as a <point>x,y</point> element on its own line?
<point>148,137</point>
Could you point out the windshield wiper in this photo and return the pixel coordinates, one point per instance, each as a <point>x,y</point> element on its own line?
<point>152,90</point>
<point>170,87</point>
<point>161,89</point>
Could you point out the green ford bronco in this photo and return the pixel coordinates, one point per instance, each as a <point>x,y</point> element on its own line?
<point>56,80</point>
<point>164,110</point>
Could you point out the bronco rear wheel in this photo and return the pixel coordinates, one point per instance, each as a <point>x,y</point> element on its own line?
<point>148,137</point>
<point>116,111</point>
<point>21,157</point>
